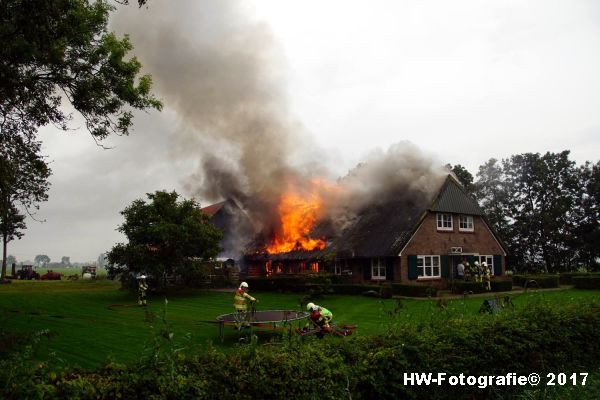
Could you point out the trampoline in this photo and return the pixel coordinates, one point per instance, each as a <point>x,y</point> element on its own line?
<point>274,320</point>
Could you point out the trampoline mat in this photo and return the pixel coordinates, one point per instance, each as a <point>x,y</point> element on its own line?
<point>268,316</point>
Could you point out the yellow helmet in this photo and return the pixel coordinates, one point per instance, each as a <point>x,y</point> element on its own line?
<point>311,306</point>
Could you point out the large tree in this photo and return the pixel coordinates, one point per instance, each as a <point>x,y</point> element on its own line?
<point>543,198</point>
<point>60,50</point>
<point>492,194</point>
<point>23,185</point>
<point>55,52</point>
<point>164,237</point>
<point>41,260</point>
<point>588,231</point>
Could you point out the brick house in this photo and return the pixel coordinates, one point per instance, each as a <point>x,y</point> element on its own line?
<point>408,241</point>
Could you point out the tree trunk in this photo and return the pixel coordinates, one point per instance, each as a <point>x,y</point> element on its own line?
<point>4,245</point>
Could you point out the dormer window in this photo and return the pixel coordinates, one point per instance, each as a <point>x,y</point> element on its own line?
<point>465,223</point>
<point>444,222</point>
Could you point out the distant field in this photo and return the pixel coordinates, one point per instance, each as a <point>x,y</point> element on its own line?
<point>88,333</point>
<point>69,271</point>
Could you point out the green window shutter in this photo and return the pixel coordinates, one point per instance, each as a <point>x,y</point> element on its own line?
<point>367,269</point>
<point>389,269</point>
<point>445,261</point>
<point>497,265</point>
<point>413,273</point>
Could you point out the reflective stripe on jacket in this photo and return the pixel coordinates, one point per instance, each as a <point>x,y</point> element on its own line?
<point>240,300</point>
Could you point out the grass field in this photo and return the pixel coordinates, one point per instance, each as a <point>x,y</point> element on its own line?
<point>86,332</point>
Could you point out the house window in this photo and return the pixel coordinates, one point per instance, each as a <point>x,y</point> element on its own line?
<point>489,261</point>
<point>337,268</point>
<point>444,222</point>
<point>428,266</point>
<point>465,223</point>
<point>377,269</point>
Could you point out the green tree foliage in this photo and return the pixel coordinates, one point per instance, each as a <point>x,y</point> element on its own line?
<point>23,185</point>
<point>536,202</point>
<point>544,191</point>
<point>492,194</point>
<point>55,50</point>
<point>588,231</point>
<point>41,260</point>
<point>463,175</point>
<point>164,236</point>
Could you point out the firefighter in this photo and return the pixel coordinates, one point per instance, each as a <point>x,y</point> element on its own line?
<point>468,271</point>
<point>320,317</point>
<point>477,272</point>
<point>240,303</point>
<point>142,288</point>
<point>486,276</point>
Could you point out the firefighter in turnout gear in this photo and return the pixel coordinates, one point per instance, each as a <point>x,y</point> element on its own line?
<point>320,317</point>
<point>240,303</point>
<point>487,276</point>
<point>477,272</point>
<point>142,288</point>
<point>468,271</point>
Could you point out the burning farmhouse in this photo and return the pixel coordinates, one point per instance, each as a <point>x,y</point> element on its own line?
<point>403,234</point>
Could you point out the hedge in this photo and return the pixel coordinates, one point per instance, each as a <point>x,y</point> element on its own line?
<point>543,281</point>
<point>462,287</point>
<point>566,278</point>
<point>537,339</point>
<point>414,290</point>
<point>291,283</point>
<point>587,282</point>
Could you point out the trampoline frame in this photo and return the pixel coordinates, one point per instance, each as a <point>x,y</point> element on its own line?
<point>273,325</point>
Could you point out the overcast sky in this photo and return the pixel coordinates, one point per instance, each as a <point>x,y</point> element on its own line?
<point>464,81</point>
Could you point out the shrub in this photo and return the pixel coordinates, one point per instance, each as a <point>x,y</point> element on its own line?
<point>462,287</point>
<point>539,338</point>
<point>566,278</point>
<point>292,283</point>
<point>587,282</point>
<point>414,290</point>
<point>543,281</point>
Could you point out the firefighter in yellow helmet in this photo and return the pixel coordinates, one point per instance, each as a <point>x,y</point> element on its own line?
<point>240,303</point>
<point>487,276</point>
<point>477,272</point>
<point>142,288</point>
<point>320,317</point>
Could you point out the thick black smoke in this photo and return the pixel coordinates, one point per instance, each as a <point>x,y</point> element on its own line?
<point>220,71</point>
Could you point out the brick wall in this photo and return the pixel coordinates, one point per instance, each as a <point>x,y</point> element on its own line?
<point>429,241</point>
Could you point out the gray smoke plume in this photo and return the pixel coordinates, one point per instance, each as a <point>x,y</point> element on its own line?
<point>402,173</point>
<point>222,74</point>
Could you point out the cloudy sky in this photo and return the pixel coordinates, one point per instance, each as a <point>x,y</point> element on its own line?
<point>328,83</point>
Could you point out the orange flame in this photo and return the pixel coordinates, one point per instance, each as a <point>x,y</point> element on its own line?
<point>298,213</point>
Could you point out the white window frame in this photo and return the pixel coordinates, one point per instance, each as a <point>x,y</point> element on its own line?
<point>466,226</point>
<point>337,268</point>
<point>377,267</point>
<point>441,222</point>
<point>489,261</point>
<point>425,271</point>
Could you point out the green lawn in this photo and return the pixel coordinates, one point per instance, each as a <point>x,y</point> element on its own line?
<point>88,333</point>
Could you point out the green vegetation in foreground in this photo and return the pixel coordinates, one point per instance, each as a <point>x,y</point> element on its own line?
<point>86,333</point>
